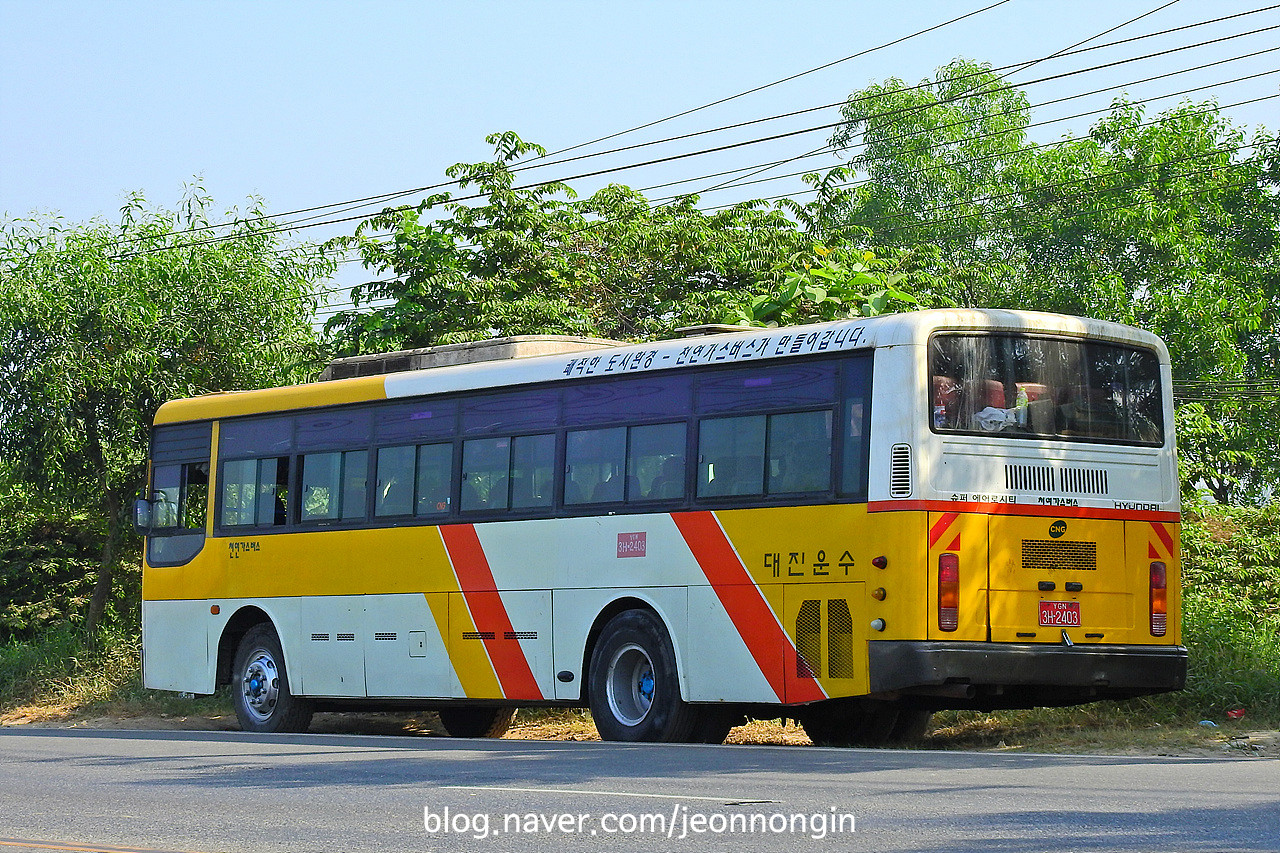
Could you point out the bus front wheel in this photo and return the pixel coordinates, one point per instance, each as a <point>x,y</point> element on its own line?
<point>260,686</point>
<point>633,687</point>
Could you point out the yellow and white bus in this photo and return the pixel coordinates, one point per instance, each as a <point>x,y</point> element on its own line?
<point>850,524</point>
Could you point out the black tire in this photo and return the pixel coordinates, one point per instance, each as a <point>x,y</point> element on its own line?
<point>633,686</point>
<point>911,726</point>
<point>855,722</point>
<point>476,721</point>
<point>260,686</point>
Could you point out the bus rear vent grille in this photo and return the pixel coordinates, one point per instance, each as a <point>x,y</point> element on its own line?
<point>900,471</point>
<point>1045,478</point>
<point>1028,478</point>
<point>1040,555</point>
<point>1085,481</point>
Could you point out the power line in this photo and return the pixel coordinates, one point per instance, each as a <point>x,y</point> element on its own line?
<point>1030,125</point>
<point>386,197</point>
<point>391,196</point>
<point>740,181</point>
<point>717,103</point>
<point>687,155</point>
<point>1042,146</point>
<point>994,212</point>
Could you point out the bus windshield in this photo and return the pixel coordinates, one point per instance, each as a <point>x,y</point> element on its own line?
<point>1045,388</point>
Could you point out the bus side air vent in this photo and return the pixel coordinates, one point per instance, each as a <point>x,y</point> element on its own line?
<point>1028,478</point>
<point>1085,481</point>
<point>809,640</point>
<point>900,471</point>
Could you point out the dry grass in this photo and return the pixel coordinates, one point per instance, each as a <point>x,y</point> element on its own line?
<point>1041,731</point>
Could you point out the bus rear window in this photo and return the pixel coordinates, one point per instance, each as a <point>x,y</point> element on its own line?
<point>1044,388</point>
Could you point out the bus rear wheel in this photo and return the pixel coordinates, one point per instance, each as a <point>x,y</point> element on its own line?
<point>911,726</point>
<point>476,722</point>
<point>633,687</point>
<point>260,686</point>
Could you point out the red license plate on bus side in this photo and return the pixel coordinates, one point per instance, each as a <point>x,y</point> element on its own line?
<point>1060,614</point>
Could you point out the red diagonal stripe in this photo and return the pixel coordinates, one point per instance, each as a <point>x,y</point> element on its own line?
<point>1163,533</point>
<point>475,578</point>
<point>750,613</point>
<point>940,527</point>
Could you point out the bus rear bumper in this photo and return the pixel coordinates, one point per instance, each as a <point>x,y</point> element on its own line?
<point>1073,673</point>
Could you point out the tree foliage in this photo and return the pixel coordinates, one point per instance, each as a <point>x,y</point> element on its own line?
<point>823,286</point>
<point>101,323</point>
<point>537,259</point>
<point>1165,222</point>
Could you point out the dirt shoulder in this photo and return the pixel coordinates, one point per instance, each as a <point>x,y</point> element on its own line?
<point>1236,741</point>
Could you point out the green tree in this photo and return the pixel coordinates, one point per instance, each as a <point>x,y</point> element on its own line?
<point>822,285</point>
<point>1170,224</point>
<point>537,259</point>
<point>932,167</point>
<point>101,323</point>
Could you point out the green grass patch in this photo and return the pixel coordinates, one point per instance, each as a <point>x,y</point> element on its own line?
<point>61,671</point>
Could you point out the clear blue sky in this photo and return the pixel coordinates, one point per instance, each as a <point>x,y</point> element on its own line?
<point>310,103</point>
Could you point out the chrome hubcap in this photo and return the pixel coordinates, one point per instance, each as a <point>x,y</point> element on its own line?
<point>630,685</point>
<point>261,685</point>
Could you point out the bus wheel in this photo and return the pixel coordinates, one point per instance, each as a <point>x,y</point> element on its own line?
<point>476,722</point>
<point>632,685</point>
<point>854,722</point>
<point>912,725</point>
<point>260,686</point>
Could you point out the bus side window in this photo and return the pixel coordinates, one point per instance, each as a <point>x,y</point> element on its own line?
<point>435,475</point>
<point>856,428</point>
<point>594,460</point>
<point>655,462</point>
<point>731,456</point>
<point>800,452</point>
<point>394,495</point>
<point>255,492</point>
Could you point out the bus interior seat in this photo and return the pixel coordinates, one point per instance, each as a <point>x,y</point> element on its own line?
<point>1035,391</point>
<point>1042,416</point>
<point>607,491</point>
<point>670,480</point>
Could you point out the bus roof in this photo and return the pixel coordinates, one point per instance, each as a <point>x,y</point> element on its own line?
<point>907,329</point>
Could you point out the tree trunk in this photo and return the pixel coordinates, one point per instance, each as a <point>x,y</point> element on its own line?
<point>106,566</point>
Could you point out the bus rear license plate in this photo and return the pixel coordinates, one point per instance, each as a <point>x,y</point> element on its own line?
<point>1060,614</point>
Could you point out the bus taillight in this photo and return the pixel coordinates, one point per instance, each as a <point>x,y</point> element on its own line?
<point>1159,599</point>
<point>948,592</point>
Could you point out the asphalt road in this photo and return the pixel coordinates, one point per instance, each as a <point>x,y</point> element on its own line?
<point>200,791</point>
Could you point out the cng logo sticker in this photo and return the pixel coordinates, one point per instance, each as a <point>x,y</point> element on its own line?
<point>1057,529</point>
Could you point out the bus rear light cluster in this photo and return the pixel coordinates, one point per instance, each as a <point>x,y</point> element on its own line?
<point>948,592</point>
<point>1159,599</point>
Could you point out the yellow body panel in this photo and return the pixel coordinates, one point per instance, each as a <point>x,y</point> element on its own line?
<point>230,404</point>
<point>467,652</point>
<point>797,546</point>
<point>964,534</point>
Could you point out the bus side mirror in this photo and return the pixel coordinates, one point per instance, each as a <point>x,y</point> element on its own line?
<point>142,516</point>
